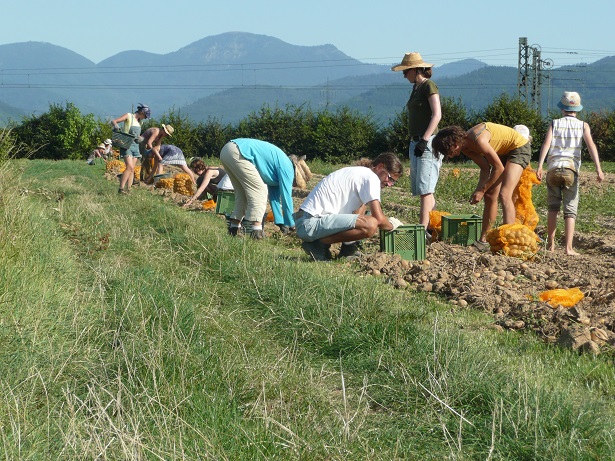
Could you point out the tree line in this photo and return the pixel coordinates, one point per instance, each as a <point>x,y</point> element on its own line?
<point>334,136</point>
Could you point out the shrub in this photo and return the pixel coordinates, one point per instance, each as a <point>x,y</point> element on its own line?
<point>61,133</point>
<point>344,136</point>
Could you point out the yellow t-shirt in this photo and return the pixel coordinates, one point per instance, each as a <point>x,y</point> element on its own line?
<point>504,139</point>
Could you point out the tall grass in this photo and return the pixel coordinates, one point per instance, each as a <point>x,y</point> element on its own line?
<point>134,329</point>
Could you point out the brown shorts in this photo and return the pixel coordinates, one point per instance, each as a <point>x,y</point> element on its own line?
<point>560,177</point>
<point>521,155</point>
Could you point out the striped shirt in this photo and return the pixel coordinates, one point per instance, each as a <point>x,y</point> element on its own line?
<point>565,150</point>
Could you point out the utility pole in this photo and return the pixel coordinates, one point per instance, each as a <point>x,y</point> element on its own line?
<point>530,74</point>
<point>523,77</point>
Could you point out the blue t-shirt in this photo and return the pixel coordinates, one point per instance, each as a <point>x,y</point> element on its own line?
<point>276,170</point>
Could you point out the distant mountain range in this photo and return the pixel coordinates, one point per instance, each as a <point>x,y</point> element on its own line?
<point>227,76</point>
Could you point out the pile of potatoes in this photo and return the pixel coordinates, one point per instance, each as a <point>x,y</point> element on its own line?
<point>182,184</point>
<point>115,165</point>
<point>514,240</point>
<point>165,183</point>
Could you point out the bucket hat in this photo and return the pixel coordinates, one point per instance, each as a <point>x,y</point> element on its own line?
<point>411,61</point>
<point>570,102</point>
<point>168,129</point>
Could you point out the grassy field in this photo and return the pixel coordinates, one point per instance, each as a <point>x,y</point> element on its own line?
<point>134,329</point>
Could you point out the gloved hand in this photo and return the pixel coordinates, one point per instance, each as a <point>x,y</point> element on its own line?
<point>285,230</point>
<point>420,147</point>
<point>139,139</point>
<point>114,126</point>
<point>395,223</point>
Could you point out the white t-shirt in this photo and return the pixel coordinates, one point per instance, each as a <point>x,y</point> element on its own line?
<point>225,183</point>
<point>343,192</point>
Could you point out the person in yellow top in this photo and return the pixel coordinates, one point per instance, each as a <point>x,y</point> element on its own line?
<point>502,154</point>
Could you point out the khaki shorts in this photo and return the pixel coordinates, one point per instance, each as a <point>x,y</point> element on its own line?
<point>520,156</point>
<point>563,188</point>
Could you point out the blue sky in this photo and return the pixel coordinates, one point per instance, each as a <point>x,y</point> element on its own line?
<point>567,32</point>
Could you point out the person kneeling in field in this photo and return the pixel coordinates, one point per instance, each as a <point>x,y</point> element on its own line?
<point>502,154</point>
<point>333,212</point>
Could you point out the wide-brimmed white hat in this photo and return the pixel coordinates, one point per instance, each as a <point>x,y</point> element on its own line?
<point>411,61</point>
<point>168,129</point>
<point>570,102</point>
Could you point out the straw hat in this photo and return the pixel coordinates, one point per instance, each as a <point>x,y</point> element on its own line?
<point>101,146</point>
<point>570,102</point>
<point>168,129</point>
<point>411,61</point>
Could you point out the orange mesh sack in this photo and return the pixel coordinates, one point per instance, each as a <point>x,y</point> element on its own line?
<point>165,183</point>
<point>522,197</point>
<point>269,217</point>
<point>115,165</point>
<point>182,184</point>
<point>209,205</point>
<point>137,173</point>
<point>562,297</point>
<point>435,223</point>
<point>514,240</point>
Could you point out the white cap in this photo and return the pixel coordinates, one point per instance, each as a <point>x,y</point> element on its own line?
<point>523,131</point>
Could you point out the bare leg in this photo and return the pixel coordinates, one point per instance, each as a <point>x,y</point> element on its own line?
<point>428,203</point>
<point>569,223</point>
<point>129,173</point>
<point>551,225</point>
<point>366,226</point>
<point>490,212</point>
<point>512,174</point>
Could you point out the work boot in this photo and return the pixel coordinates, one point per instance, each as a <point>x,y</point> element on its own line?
<point>317,250</point>
<point>350,250</point>
<point>258,234</point>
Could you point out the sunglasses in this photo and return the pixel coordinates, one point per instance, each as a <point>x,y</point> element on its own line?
<point>391,180</point>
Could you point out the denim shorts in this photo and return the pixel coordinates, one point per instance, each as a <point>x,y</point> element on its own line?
<point>310,228</point>
<point>560,189</point>
<point>424,170</point>
<point>132,152</point>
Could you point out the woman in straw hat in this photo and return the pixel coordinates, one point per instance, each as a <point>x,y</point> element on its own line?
<point>152,137</point>
<point>424,114</point>
<point>562,144</point>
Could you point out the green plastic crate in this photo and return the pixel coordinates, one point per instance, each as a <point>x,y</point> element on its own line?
<point>463,229</point>
<point>407,241</point>
<point>225,202</point>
